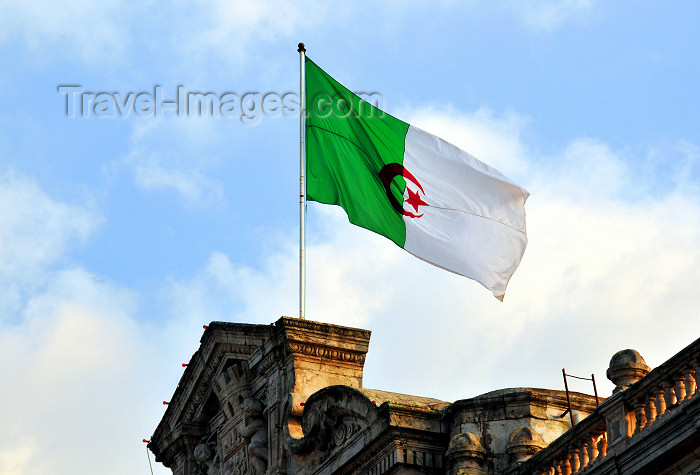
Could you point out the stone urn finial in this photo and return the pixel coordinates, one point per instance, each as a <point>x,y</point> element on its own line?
<point>465,455</point>
<point>523,443</point>
<point>626,368</point>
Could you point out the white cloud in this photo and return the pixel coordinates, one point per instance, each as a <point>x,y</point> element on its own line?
<point>151,173</point>
<point>337,283</point>
<point>202,32</point>
<point>83,28</point>
<point>35,231</point>
<point>79,375</point>
<point>171,155</point>
<point>196,33</point>
<point>685,174</point>
<point>82,375</point>
<point>549,14</point>
<point>587,170</point>
<point>15,458</point>
<point>229,28</point>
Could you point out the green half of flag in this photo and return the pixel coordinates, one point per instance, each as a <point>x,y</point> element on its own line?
<point>348,143</point>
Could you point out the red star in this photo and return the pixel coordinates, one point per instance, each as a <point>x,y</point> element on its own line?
<point>415,200</point>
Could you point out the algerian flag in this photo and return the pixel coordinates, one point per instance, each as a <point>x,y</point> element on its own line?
<point>432,199</point>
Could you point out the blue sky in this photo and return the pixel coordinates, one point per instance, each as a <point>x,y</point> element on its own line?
<point>121,236</point>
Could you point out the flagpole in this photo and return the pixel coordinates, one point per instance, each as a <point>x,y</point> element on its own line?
<point>302,184</point>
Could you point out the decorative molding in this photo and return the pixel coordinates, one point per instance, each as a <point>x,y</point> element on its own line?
<point>268,361</point>
<point>241,350</point>
<point>329,353</point>
<point>355,333</point>
<point>205,384</point>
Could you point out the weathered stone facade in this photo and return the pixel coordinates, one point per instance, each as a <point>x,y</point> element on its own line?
<point>287,398</point>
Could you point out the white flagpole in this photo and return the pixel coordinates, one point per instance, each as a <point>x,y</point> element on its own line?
<point>302,184</point>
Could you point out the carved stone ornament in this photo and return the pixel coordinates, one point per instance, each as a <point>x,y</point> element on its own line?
<point>332,417</point>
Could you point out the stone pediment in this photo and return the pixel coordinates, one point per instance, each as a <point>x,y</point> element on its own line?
<point>221,360</point>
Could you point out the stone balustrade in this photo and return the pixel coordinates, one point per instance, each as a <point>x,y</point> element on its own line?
<point>640,403</point>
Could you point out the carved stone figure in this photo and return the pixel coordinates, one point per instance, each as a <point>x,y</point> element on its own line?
<point>255,433</point>
<point>207,458</point>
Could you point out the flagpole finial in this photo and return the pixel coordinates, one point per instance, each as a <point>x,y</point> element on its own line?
<point>302,48</point>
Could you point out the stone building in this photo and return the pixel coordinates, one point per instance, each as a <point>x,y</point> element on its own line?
<point>287,398</point>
